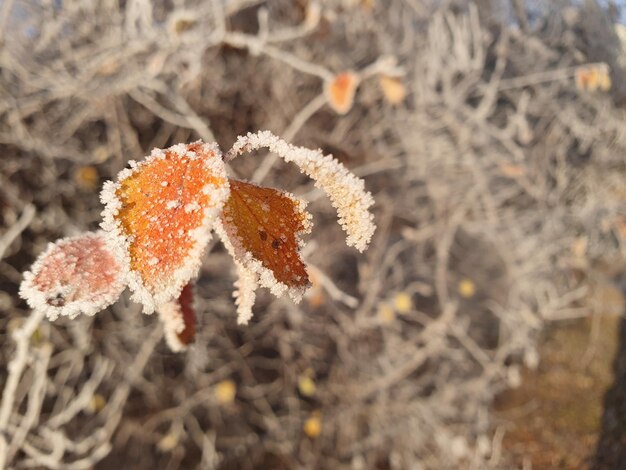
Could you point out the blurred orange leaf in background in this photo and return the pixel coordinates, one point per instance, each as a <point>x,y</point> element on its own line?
<point>393,89</point>
<point>592,78</point>
<point>340,91</point>
<point>386,314</point>
<point>402,302</point>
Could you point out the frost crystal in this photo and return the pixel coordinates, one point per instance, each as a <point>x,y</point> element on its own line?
<point>247,284</point>
<point>74,275</point>
<point>346,192</point>
<point>171,316</point>
<point>245,293</point>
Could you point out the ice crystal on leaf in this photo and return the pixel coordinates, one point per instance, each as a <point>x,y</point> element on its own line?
<point>157,221</point>
<point>74,275</point>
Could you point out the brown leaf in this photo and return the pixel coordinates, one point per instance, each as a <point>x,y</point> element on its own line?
<point>266,223</point>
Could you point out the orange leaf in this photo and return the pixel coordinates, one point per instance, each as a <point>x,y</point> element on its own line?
<point>587,78</point>
<point>393,89</point>
<point>593,77</point>
<point>160,213</point>
<point>340,91</point>
<point>266,224</point>
<point>74,275</point>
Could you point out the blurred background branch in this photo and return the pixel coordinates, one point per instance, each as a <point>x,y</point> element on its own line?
<point>492,135</point>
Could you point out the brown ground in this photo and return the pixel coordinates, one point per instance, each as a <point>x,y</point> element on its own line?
<point>554,419</point>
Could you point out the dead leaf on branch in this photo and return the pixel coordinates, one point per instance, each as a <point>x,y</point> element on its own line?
<point>268,223</point>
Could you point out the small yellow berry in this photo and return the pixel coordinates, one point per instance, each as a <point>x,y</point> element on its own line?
<point>96,404</point>
<point>86,177</point>
<point>306,386</point>
<point>168,442</point>
<point>225,392</point>
<point>313,425</point>
<point>467,288</point>
<point>402,302</point>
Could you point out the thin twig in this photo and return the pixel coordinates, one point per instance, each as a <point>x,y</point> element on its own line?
<point>16,229</point>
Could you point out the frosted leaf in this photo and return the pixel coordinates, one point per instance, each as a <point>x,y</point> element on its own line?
<point>346,192</point>
<point>147,220</point>
<point>264,226</point>
<point>72,276</point>
<point>179,320</point>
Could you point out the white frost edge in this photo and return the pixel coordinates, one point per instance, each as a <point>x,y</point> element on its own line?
<point>119,244</point>
<point>171,315</point>
<point>37,300</point>
<point>346,191</point>
<point>245,293</point>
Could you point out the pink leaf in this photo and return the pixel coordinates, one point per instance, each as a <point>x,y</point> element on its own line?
<point>74,275</point>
